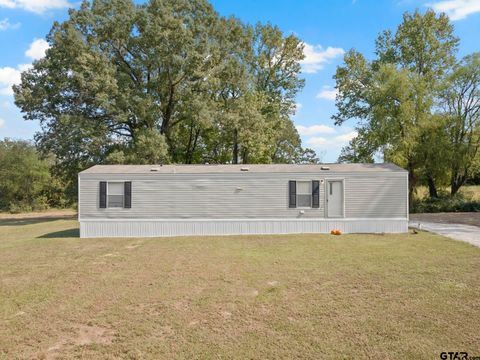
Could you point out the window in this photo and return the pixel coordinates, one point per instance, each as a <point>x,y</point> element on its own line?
<point>115,193</point>
<point>304,194</point>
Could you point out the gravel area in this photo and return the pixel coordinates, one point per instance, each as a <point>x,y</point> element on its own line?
<point>461,232</point>
<point>472,218</point>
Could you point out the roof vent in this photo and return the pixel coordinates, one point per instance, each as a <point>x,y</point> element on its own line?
<point>325,168</point>
<point>244,169</point>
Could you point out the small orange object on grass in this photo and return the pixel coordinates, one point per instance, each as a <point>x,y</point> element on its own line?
<point>336,232</point>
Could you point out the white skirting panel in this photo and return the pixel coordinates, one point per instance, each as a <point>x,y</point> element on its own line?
<point>160,228</point>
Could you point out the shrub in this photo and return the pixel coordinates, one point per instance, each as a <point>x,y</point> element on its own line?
<point>445,203</point>
<point>37,204</point>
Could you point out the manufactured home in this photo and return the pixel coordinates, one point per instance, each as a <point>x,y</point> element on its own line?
<point>176,200</point>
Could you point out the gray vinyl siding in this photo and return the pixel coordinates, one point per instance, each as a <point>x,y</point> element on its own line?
<point>261,196</point>
<point>376,196</point>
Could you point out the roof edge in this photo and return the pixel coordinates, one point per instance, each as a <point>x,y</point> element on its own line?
<point>231,168</point>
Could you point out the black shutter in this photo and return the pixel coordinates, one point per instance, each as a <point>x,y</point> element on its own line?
<point>127,202</point>
<point>315,194</point>
<point>292,194</point>
<point>103,194</point>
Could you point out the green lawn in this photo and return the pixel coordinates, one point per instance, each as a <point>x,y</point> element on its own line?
<point>302,296</point>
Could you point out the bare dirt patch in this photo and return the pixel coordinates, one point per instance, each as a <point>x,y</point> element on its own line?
<point>81,335</point>
<point>133,246</point>
<point>472,218</point>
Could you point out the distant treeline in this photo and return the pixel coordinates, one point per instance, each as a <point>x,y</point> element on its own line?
<point>27,181</point>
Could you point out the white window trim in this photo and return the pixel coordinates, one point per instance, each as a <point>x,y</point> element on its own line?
<point>311,197</point>
<point>123,195</point>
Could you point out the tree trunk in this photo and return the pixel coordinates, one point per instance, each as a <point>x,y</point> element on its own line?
<point>167,115</point>
<point>454,189</point>
<point>195,141</point>
<point>235,147</point>
<point>455,185</point>
<point>188,156</point>
<point>432,188</point>
<point>245,156</point>
<point>457,181</point>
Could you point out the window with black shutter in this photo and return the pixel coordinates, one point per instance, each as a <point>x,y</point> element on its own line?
<point>115,194</point>
<point>304,194</point>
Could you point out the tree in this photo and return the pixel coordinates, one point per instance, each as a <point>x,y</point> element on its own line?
<point>25,180</point>
<point>459,101</point>
<point>149,147</point>
<point>164,81</point>
<point>434,152</point>
<point>393,95</point>
<point>115,69</point>
<point>358,150</point>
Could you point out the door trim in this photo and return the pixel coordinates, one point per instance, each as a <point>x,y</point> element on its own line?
<point>325,198</point>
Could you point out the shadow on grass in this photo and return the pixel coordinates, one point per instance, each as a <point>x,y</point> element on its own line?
<point>33,220</point>
<point>69,233</point>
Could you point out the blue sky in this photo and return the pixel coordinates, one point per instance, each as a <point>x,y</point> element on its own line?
<point>328,28</point>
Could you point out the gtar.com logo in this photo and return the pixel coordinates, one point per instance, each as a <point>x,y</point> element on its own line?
<point>457,355</point>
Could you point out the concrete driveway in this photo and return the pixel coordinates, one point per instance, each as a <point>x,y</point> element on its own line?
<point>467,233</point>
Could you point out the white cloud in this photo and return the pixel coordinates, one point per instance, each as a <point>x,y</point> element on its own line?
<point>5,24</point>
<point>456,9</point>
<point>316,141</point>
<point>25,67</point>
<point>314,129</point>
<point>316,57</point>
<point>326,140</point>
<point>8,77</point>
<point>298,106</point>
<point>346,137</point>
<point>336,141</point>
<point>37,49</point>
<point>327,93</point>
<point>2,122</point>
<point>36,6</point>
<point>11,76</point>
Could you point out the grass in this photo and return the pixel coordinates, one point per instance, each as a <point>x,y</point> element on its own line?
<point>310,296</point>
<point>48,213</point>
<point>470,192</point>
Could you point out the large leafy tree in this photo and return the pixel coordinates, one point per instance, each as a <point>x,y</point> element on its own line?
<point>168,80</point>
<point>459,101</point>
<point>392,96</point>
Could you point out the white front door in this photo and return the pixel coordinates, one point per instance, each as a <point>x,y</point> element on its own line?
<point>334,198</point>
